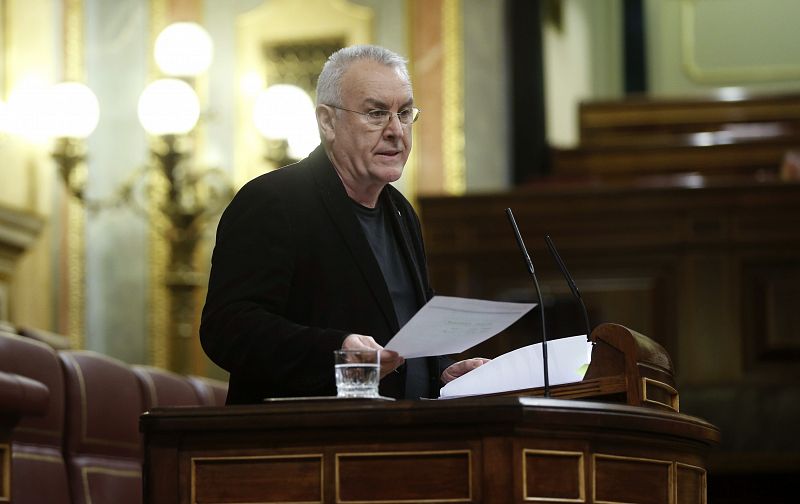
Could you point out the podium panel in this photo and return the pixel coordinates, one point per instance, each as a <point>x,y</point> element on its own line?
<point>489,450</point>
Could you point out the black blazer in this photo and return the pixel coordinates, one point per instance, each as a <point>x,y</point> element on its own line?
<point>292,275</point>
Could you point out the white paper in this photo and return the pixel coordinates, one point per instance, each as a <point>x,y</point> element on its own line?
<point>522,369</point>
<point>450,325</point>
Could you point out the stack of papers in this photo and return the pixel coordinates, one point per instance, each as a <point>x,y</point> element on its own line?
<point>450,325</point>
<point>522,369</point>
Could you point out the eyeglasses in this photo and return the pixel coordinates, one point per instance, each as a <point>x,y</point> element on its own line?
<point>381,118</point>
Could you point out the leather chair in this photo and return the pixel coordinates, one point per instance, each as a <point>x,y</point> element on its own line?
<point>55,340</point>
<point>38,470</point>
<point>210,392</point>
<point>103,449</point>
<point>19,396</point>
<point>164,388</point>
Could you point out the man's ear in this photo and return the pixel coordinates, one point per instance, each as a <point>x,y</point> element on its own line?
<point>326,119</point>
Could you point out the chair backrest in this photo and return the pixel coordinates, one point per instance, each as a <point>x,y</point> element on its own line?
<point>164,388</point>
<point>103,448</point>
<point>55,340</point>
<point>38,470</point>
<point>210,392</point>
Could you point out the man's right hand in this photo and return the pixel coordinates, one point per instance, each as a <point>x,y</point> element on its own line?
<point>389,360</point>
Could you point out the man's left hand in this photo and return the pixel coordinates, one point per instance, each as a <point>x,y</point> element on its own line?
<point>462,367</point>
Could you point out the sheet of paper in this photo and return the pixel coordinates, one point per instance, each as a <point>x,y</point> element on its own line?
<point>449,325</point>
<point>522,369</point>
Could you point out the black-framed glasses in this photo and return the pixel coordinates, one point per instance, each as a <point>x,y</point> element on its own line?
<point>380,118</point>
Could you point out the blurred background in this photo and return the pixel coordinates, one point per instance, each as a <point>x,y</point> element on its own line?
<point>655,140</point>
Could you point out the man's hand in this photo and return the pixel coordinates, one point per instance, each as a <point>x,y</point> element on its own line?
<point>462,367</point>
<point>389,360</point>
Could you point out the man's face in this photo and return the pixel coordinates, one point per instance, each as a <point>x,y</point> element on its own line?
<point>369,154</point>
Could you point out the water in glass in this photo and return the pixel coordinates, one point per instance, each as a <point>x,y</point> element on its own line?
<point>359,379</point>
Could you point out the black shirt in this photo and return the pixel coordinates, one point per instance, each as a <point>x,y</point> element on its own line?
<point>384,244</point>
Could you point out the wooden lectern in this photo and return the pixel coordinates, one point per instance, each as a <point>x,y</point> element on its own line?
<point>626,367</point>
<point>500,449</point>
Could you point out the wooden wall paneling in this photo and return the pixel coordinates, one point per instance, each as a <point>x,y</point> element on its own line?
<point>254,478</point>
<point>649,480</point>
<point>438,475</point>
<point>498,470</point>
<point>708,268</point>
<point>771,320</point>
<point>638,136</point>
<point>5,468</point>
<point>557,475</point>
<point>690,483</point>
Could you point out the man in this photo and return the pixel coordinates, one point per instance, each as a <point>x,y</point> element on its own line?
<point>325,254</point>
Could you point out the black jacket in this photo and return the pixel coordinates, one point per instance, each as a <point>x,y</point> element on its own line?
<point>292,275</point>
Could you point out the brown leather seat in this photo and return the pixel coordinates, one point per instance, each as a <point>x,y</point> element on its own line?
<point>38,470</point>
<point>210,392</point>
<point>103,449</point>
<point>164,388</point>
<point>55,340</point>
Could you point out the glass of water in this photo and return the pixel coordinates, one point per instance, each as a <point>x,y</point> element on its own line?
<point>357,372</point>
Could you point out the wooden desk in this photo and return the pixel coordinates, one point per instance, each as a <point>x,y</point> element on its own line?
<point>490,450</point>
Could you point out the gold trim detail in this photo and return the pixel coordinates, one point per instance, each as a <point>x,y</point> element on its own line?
<point>404,453</point>
<point>4,78</point>
<point>673,394</point>
<point>158,340</point>
<point>5,454</point>
<point>670,475</point>
<point>354,10</point>
<point>193,475</point>
<point>455,182</point>
<point>73,40</point>
<point>76,268</point>
<point>37,457</point>
<point>75,221</point>
<point>704,487</point>
<point>411,169</point>
<point>103,470</point>
<point>723,75</point>
<point>556,453</point>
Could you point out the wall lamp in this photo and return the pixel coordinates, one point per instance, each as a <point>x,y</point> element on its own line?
<point>285,116</point>
<point>186,197</point>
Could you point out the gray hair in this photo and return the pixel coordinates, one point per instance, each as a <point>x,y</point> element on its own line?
<point>329,90</point>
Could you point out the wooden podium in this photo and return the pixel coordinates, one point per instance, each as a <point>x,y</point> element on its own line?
<point>483,449</point>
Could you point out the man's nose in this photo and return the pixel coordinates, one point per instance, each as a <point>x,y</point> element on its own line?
<point>394,127</point>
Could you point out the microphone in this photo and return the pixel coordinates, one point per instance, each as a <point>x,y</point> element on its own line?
<point>529,265</point>
<point>574,288</point>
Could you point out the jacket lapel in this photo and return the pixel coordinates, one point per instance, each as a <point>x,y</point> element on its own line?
<point>404,237</point>
<point>339,207</point>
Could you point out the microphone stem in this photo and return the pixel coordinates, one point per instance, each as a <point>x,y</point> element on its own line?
<point>586,321</point>
<point>570,282</point>
<point>544,338</point>
<point>529,265</point>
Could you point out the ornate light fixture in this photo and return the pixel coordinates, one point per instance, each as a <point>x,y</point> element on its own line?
<point>186,197</point>
<point>183,50</point>
<point>284,115</point>
<point>74,114</point>
<point>168,110</point>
